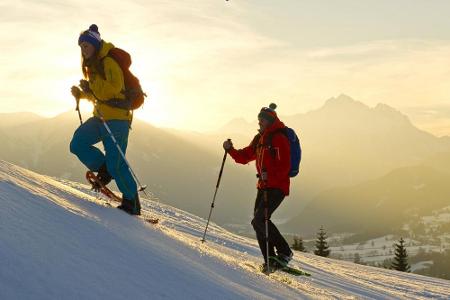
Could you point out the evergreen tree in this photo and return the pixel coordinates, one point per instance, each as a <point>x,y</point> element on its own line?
<point>298,244</point>
<point>321,244</point>
<point>400,262</point>
<point>357,258</point>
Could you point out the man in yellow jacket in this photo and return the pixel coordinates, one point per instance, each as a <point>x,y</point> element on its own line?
<point>104,81</point>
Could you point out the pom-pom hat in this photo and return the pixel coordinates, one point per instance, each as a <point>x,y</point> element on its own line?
<point>268,113</point>
<point>91,36</point>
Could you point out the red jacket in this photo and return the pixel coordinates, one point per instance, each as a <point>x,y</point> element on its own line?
<point>276,162</point>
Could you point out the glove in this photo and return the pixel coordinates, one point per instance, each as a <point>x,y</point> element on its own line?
<point>76,92</point>
<point>227,145</point>
<point>84,85</point>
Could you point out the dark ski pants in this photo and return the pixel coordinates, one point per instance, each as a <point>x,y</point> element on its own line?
<point>276,240</point>
<point>93,131</point>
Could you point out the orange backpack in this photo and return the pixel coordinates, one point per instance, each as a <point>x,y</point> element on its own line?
<point>134,96</point>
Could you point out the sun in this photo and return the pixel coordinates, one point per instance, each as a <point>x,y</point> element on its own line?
<point>86,106</point>
<point>154,109</point>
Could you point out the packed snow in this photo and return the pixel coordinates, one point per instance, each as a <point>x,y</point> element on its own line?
<point>59,240</point>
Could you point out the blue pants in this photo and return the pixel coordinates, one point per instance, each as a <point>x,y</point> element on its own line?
<point>93,131</point>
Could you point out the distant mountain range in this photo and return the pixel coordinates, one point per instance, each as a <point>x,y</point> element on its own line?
<point>345,143</point>
<point>18,118</point>
<point>178,172</point>
<point>379,206</point>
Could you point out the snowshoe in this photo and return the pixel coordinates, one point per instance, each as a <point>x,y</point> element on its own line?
<point>273,266</point>
<point>101,179</point>
<point>286,268</point>
<point>99,187</point>
<point>103,175</point>
<point>131,207</point>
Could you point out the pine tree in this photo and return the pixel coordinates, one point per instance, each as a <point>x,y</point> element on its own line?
<point>321,244</point>
<point>298,244</point>
<point>400,262</point>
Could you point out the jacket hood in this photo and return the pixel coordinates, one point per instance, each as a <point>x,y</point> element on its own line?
<point>277,124</point>
<point>104,49</point>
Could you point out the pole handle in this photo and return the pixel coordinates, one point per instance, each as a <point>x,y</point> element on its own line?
<point>228,140</point>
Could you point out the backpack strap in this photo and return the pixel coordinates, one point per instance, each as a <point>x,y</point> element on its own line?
<point>129,93</point>
<point>101,66</point>
<point>114,102</point>
<point>270,138</point>
<point>102,63</point>
<point>255,141</point>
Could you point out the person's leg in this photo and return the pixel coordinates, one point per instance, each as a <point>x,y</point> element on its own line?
<point>258,223</point>
<point>275,197</point>
<point>87,135</point>
<point>115,164</point>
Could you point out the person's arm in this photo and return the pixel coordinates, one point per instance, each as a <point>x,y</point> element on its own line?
<point>243,156</point>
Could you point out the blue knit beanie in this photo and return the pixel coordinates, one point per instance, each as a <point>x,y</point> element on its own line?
<point>92,36</point>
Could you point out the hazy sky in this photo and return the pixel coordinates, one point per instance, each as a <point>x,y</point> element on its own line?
<point>204,62</point>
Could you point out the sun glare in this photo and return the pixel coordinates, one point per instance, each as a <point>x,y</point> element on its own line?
<point>86,106</point>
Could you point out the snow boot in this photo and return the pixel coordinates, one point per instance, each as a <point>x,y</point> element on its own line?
<point>103,175</point>
<point>283,259</point>
<point>132,207</point>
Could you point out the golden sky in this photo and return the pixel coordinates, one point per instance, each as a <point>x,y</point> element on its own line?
<point>204,62</point>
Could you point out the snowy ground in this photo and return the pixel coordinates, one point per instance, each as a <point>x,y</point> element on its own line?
<point>58,241</point>
<point>379,249</point>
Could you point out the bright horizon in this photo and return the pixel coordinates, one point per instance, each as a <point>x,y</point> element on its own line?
<point>204,63</point>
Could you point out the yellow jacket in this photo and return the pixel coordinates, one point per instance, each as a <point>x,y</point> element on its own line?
<point>105,89</point>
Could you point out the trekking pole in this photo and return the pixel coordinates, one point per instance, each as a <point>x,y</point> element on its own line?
<point>78,110</point>
<point>141,187</point>
<point>215,193</point>
<point>266,220</point>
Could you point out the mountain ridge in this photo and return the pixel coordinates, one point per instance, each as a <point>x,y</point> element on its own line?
<point>380,206</point>
<point>340,148</point>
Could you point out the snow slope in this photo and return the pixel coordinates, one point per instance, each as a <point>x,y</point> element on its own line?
<point>59,241</point>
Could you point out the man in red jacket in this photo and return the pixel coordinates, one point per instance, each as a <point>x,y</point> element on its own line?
<point>271,150</point>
